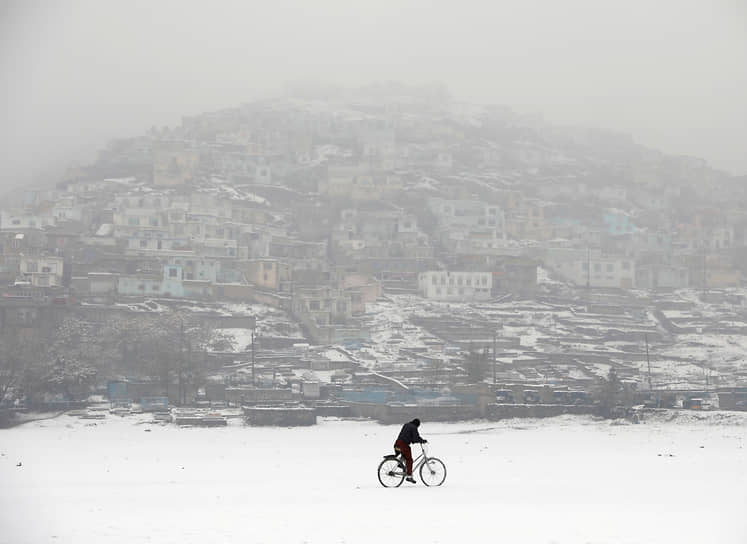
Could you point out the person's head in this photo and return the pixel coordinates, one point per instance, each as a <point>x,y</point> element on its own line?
<point>416,422</point>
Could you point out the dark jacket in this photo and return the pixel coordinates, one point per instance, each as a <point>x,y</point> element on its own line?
<point>409,434</point>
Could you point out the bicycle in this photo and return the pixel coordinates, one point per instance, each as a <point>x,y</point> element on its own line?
<point>431,469</point>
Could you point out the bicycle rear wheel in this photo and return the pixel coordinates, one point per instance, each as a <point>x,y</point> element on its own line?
<point>391,473</point>
<point>433,473</point>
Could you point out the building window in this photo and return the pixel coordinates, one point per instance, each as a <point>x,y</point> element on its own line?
<point>610,267</point>
<point>46,269</point>
<point>172,272</point>
<point>143,243</point>
<point>484,280</point>
<point>133,221</point>
<point>626,265</point>
<point>597,267</point>
<point>315,305</point>
<point>153,221</point>
<point>469,281</point>
<point>433,280</point>
<point>459,280</point>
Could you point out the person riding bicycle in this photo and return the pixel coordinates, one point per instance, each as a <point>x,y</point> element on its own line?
<point>408,435</point>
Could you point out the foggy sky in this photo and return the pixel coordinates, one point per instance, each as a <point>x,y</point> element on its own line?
<point>672,73</point>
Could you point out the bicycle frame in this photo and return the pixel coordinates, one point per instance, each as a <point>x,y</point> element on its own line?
<point>416,462</point>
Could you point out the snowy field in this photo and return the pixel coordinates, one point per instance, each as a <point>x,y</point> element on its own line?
<point>564,480</point>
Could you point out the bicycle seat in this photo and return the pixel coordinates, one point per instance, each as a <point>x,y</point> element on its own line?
<point>390,456</point>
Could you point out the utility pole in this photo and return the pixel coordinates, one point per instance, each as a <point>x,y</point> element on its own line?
<point>705,274</point>
<point>494,356</point>
<point>254,381</point>
<point>650,388</point>
<point>181,363</point>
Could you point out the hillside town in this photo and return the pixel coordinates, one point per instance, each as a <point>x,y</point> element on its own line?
<point>357,255</point>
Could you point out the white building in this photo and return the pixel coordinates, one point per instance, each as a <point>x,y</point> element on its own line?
<point>456,286</point>
<point>43,271</point>
<point>16,220</point>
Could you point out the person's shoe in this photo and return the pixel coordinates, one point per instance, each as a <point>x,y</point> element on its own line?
<point>410,479</point>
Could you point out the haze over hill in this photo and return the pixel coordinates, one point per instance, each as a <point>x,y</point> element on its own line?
<point>80,73</point>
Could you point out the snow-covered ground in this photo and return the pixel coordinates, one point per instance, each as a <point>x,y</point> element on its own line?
<point>564,480</point>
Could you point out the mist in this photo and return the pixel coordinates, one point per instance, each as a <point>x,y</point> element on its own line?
<point>672,74</point>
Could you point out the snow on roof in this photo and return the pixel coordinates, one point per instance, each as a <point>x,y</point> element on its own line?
<point>106,229</point>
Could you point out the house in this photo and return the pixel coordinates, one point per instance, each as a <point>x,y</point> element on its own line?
<point>465,226</point>
<point>18,220</point>
<point>67,208</point>
<point>197,268</point>
<point>169,284</point>
<point>272,274</point>
<point>174,163</point>
<point>43,271</point>
<point>617,222</point>
<point>592,269</point>
<point>456,286</point>
<point>516,275</point>
<point>527,221</point>
<point>661,276</point>
<point>360,183</point>
<point>362,288</point>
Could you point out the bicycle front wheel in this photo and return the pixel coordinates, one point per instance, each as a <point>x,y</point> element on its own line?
<point>433,472</point>
<point>391,473</point>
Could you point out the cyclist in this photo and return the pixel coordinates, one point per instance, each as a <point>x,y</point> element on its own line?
<point>408,435</point>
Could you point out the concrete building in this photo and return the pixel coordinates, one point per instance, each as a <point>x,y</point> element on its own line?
<point>593,269</point>
<point>457,286</point>
<point>43,271</point>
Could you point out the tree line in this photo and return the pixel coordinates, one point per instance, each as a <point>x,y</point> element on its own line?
<point>78,354</point>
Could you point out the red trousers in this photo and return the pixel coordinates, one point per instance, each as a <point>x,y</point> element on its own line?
<point>404,449</point>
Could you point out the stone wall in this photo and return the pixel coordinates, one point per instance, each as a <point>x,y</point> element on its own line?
<point>251,395</point>
<point>508,411</point>
<point>390,414</point>
<point>283,417</point>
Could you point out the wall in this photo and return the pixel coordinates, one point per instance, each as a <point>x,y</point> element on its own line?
<point>445,285</point>
<point>285,417</point>
<point>241,395</point>
<point>507,411</point>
